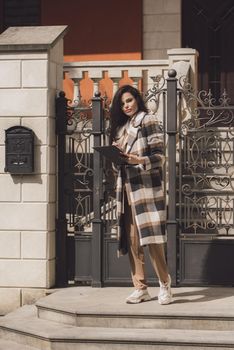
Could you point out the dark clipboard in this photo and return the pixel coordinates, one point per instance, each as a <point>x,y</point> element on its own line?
<point>113,153</point>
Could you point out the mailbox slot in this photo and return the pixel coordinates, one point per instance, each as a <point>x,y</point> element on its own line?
<point>19,150</point>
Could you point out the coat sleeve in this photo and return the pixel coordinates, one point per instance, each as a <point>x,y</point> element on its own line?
<point>155,141</point>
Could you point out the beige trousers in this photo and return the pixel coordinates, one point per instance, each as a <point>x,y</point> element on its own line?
<point>136,252</point>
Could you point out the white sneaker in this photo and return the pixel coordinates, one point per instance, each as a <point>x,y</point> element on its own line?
<point>138,296</point>
<point>165,294</point>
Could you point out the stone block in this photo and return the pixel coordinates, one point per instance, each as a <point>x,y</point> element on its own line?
<point>12,189</point>
<point>37,245</point>
<point>10,299</point>
<point>52,75</point>
<point>10,74</point>
<point>52,189</point>
<point>2,159</point>
<point>34,188</point>
<point>41,159</point>
<point>52,93</point>
<point>25,216</point>
<point>38,188</point>
<point>161,6</point>
<point>24,273</point>
<point>152,41</point>
<point>40,128</point>
<point>34,245</point>
<point>51,216</point>
<point>56,53</point>
<point>162,23</point>
<point>172,6</point>
<point>35,38</point>
<point>51,245</point>
<point>31,295</point>
<point>6,123</point>
<point>59,77</point>
<point>9,244</point>
<point>35,73</point>
<point>155,54</point>
<point>153,7</point>
<point>52,138</point>
<point>45,160</point>
<point>7,56</point>
<point>165,40</point>
<point>56,76</point>
<point>50,273</point>
<point>23,102</point>
<point>171,39</point>
<point>51,160</point>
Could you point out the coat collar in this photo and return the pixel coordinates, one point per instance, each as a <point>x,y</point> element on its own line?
<point>133,126</point>
<point>133,130</point>
<point>137,119</point>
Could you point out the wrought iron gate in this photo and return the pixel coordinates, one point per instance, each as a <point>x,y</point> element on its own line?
<point>205,188</point>
<point>86,233</point>
<point>200,165</point>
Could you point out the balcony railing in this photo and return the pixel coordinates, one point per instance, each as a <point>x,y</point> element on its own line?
<point>107,76</point>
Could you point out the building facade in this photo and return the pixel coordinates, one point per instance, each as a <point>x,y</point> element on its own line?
<point>134,36</point>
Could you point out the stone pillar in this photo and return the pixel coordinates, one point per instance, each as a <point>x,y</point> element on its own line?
<point>161,27</point>
<point>185,61</point>
<point>31,71</point>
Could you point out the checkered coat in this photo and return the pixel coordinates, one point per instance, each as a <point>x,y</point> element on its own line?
<point>143,182</point>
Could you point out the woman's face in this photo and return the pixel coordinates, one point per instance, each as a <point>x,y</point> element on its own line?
<point>129,104</point>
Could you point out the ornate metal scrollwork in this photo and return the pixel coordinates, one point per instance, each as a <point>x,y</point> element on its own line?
<point>206,169</point>
<point>79,149</point>
<point>153,94</point>
<point>202,109</point>
<point>208,214</point>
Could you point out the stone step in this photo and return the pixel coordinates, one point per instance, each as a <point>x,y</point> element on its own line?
<point>9,345</point>
<point>25,328</point>
<point>91,307</point>
<point>136,321</point>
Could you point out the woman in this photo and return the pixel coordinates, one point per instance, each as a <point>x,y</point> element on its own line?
<point>140,199</point>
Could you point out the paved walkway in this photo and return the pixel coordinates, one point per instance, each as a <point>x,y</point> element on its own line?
<point>196,301</point>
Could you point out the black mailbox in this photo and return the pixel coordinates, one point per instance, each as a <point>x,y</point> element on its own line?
<point>19,150</point>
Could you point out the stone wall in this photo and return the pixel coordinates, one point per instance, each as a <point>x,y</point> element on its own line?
<point>31,70</point>
<point>161,27</point>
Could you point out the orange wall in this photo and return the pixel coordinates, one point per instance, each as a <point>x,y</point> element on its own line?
<point>103,30</point>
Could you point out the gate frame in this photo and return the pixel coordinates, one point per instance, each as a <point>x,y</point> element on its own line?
<point>97,264</point>
<point>171,130</point>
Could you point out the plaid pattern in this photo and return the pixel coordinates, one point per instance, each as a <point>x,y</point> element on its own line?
<point>143,182</point>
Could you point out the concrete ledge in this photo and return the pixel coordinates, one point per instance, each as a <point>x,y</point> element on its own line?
<point>24,328</point>
<point>10,299</point>
<point>33,38</point>
<point>7,344</point>
<point>187,302</point>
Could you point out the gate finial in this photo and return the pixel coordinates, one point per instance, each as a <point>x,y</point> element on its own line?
<point>172,73</point>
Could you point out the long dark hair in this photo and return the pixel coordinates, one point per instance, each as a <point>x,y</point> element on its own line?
<point>117,116</point>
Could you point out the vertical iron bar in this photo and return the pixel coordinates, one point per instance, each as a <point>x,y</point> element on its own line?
<point>61,222</point>
<point>97,240</point>
<point>172,132</point>
<point>181,166</point>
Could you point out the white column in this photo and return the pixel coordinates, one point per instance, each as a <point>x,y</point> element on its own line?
<point>76,91</point>
<point>30,79</point>
<point>135,81</point>
<point>115,84</point>
<point>185,62</point>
